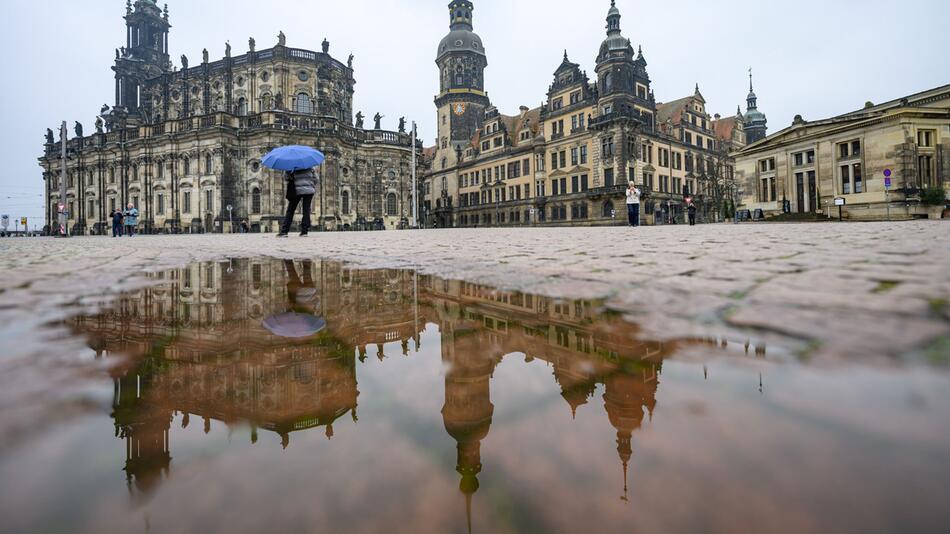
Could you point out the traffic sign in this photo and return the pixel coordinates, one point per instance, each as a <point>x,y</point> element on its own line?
<point>23,221</point>
<point>887,178</point>
<point>840,201</point>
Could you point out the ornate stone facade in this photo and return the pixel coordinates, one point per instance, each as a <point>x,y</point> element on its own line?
<point>568,161</point>
<point>184,144</point>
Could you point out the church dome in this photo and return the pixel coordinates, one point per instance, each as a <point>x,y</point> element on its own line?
<point>461,40</point>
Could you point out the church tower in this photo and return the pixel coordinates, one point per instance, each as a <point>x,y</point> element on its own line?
<point>144,56</point>
<point>756,123</point>
<point>462,100</point>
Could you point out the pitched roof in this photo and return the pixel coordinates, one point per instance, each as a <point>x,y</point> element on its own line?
<point>723,128</point>
<point>672,110</point>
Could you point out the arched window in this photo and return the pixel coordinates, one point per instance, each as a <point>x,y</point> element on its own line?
<point>608,209</point>
<point>209,167</point>
<point>458,75</point>
<point>186,165</point>
<point>256,201</point>
<point>608,82</point>
<point>345,203</point>
<point>391,204</point>
<point>242,107</point>
<point>303,103</point>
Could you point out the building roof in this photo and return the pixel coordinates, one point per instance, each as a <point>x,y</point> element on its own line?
<point>802,128</point>
<point>724,128</point>
<point>672,110</point>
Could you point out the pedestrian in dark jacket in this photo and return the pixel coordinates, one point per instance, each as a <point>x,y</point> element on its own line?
<point>691,210</point>
<point>116,223</point>
<point>301,186</point>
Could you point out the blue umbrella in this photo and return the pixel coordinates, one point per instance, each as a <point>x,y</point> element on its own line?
<point>294,325</point>
<point>293,158</point>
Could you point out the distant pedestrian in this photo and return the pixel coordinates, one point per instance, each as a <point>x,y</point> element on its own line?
<point>633,204</point>
<point>691,210</point>
<point>130,219</point>
<point>245,228</point>
<point>301,186</point>
<point>116,223</point>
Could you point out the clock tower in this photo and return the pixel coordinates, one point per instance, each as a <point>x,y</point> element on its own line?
<point>462,100</point>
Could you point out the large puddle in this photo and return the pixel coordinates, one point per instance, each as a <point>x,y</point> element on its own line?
<point>281,396</point>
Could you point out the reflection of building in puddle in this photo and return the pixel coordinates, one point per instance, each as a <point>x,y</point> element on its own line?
<point>199,348</point>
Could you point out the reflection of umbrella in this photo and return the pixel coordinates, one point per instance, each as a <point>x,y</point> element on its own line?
<point>291,324</point>
<point>293,158</point>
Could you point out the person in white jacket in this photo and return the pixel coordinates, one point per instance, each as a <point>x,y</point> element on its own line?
<point>633,204</point>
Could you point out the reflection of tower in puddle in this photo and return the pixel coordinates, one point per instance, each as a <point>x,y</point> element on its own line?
<point>144,428</point>
<point>467,412</point>
<point>629,390</point>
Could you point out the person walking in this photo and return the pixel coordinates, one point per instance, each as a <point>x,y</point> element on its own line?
<point>691,211</point>
<point>116,223</point>
<point>245,228</point>
<point>130,219</point>
<point>301,186</point>
<point>633,204</point>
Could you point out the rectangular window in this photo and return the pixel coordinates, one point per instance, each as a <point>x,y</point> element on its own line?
<point>574,158</point>
<point>160,201</point>
<point>553,160</point>
<point>563,158</point>
<point>608,177</point>
<point>575,184</point>
<point>688,138</point>
<point>564,186</point>
<point>799,159</point>
<point>925,138</point>
<point>856,178</point>
<point>607,147</point>
<point>526,166</point>
<point>527,190</point>
<point>583,182</point>
<point>209,200</point>
<point>846,179</point>
<point>584,155</point>
<point>554,188</point>
<point>186,202</point>
<point>810,157</point>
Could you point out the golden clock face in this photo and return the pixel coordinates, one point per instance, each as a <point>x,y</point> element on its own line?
<point>458,109</point>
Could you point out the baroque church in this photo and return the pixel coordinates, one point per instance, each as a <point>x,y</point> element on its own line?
<point>184,144</point>
<point>568,161</point>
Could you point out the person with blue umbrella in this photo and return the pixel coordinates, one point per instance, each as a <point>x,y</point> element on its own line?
<point>298,163</point>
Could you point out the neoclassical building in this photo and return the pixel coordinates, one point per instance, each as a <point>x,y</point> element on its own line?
<point>805,167</point>
<point>183,144</point>
<point>569,160</point>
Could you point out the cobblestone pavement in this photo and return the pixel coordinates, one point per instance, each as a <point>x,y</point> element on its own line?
<point>829,291</point>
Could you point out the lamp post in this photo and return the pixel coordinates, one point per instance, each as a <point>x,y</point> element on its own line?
<point>61,205</point>
<point>415,219</point>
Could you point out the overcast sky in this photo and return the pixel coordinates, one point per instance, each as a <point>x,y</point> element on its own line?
<point>811,57</point>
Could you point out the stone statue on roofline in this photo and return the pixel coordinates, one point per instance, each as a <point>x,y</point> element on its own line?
<point>378,118</point>
<point>184,62</point>
<point>98,125</point>
<point>326,46</point>
<point>227,49</point>
<point>349,62</point>
<point>281,39</point>
<point>78,129</point>
<point>49,137</point>
<point>251,44</point>
<point>402,125</point>
<point>204,55</point>
<point>359,119</point>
